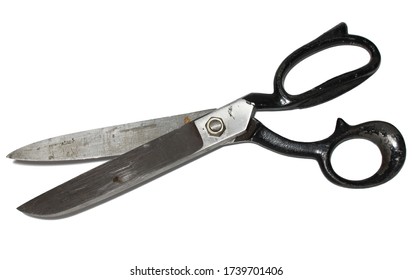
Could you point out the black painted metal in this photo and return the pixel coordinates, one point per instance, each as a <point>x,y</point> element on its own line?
<point>384,135</point>
<point>387,138</point>
<point>337,36</point>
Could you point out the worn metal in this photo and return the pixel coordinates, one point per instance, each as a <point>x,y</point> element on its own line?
<point>102,142</point>
<point>118,175</point>
<point>236,117</point>
<point>385,136</point>
<point>233,123</point>
<point>138,166</point>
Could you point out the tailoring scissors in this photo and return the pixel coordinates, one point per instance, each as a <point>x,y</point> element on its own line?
<point>148,149</point>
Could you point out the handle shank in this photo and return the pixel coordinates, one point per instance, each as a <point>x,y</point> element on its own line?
<point>387,138</point>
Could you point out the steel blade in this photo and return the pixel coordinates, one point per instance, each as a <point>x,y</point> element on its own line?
<point>142,164</point>
<point>118,175</point>
<point>102,142</point>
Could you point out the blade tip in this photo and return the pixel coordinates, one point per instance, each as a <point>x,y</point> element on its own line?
<point>27,210</point>
<point>15,155</point>
<point>32,211</point>
<point>36,215</point>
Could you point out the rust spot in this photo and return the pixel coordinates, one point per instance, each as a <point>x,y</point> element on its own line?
<point>68,142</point>
<point>116,179</point>
<point>187,120</point>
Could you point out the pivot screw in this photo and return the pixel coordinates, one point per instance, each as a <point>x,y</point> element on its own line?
<point>215,126</point>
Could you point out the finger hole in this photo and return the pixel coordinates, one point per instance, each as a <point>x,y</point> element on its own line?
<point>323,66</point>
<point>356,159</point>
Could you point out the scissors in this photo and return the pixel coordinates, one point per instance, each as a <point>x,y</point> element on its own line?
<point>146,150</point>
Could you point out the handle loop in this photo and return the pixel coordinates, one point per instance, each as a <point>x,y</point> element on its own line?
<point>337,36</point>
<point>387,138</point>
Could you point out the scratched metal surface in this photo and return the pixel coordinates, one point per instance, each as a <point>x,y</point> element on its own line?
<point>102,142</point>
<point>117,176</point>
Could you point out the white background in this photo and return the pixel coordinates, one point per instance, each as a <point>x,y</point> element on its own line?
<point>67,66</point>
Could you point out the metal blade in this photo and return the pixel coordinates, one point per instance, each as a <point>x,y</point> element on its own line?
<point>117,176</point>
<point>102,142</point>
<point>142,164</point>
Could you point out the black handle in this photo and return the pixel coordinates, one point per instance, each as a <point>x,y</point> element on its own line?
<point>384,135</point>
<point>337,36</point>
